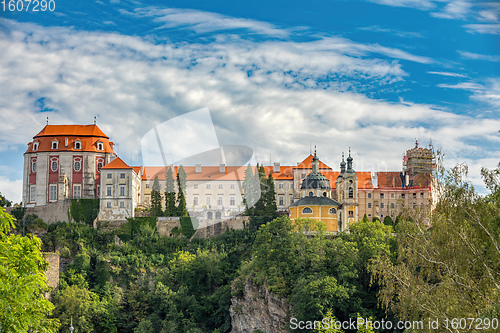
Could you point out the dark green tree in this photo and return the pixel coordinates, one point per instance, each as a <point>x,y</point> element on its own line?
<point>260,206</point>
<point>183,179</point>
<point>170,208</point>
<point>251,189</point>
<point>271,208</point>
<point>156,209</point>
<point>4,202</point>
<point>181,198</point>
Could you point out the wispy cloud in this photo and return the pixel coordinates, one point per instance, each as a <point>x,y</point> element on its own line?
<point>203,22</point>
<point>399,33</point>
<point>476,56</point>
<point>463,85</point>
<point>448,74</point>
<point>455,9</point>
<point>418,4</point>
<point>492,29</point>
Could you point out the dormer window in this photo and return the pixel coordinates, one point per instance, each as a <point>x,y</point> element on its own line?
<point>55,144</point>
<point>35,145</point>
<point>66,142</point>
<point>78,144</point>
<point>100,146</point>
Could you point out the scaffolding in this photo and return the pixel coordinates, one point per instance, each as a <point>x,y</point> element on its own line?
<point>419,160</point>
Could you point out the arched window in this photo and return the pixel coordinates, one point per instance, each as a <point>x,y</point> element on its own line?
<point>332,211</point>
<point>210,215</point>
<point>78,144</point>
<point>99,166</point>
<point>324,194</point>
<point>33,166</point>
<point>350,181</point>
<point>311,194</point>
<point>351,193</point>
<point>307,210</point>
<point>218,215</point>
<point>54,165</point>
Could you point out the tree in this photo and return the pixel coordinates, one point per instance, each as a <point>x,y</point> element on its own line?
<point>156,209</point>
<point>449,270</point>
<point>170,208</point>
<point>251,190</point>
<point>260,179</point>
<point>23,284</point>
<point>183,179</point>
<point>4,202</point>
<point>181,198</point>
<point>271,208</point>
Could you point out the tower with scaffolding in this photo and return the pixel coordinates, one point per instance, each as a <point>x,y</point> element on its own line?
<point>419,164</point>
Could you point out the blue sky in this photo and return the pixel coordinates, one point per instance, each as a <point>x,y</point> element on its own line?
<point>277,76</point>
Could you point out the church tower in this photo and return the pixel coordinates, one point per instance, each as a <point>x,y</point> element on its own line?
<point>347,193</point>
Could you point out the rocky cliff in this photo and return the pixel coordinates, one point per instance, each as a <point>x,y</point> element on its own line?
<point>257,309</point>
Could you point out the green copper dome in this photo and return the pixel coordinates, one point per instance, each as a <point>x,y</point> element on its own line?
<point>315,180</point>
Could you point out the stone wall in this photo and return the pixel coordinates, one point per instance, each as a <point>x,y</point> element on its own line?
<point>52,271</point>
<point>214,229</point>
<point>52,212</point>
<point>257,309</point>
<point>165,224</point>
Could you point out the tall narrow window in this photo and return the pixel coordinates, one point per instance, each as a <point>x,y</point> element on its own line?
<point>351,193</point>
<point>35,145</point>
<point>32,193</point>
<point>281,201</point>
<point>77,191</point>
<point>78,144</point>
<point>52,192</point>
<point>122,190</point>
<point>219,201</point>
<point>99,166</point>
<point>108,191</point>
<point>77,165</point>
<point>232,201</point>
<point>207,201</point>
<point>55,144</point>
<point>195,201</point>
<point>54,165</point>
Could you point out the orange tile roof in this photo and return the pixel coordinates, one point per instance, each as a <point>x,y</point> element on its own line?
<point>307,164</point>
<point>117,163</point>
<point>73,130</point>
<point>389,179</point>
<point>364,178</point>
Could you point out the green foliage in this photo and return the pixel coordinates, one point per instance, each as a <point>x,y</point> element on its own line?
<point>181,196</point>
<point>170,208</point>
<point>182,176</point>
<point>156,209</point>
<point>251,189</point>
<point>84,210</point>
<point>388,221</point>
<point>271,208</point>
<point>4,202</point>
<point>23,282</point>
<point>65,253</point>
<point>187,226</point>
<point>449,270</point>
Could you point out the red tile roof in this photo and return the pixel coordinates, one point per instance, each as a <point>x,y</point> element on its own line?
<point>73,130</point>
<point>389,179</point>
<point>307,164</point>
<point>364,178</point>
<point>117,163</point>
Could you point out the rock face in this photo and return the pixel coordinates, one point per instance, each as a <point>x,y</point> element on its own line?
<point>258,309</point>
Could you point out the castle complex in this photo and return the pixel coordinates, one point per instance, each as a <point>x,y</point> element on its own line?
<point>77,161</point>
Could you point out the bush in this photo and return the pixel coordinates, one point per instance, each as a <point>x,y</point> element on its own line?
<point>65,253</point>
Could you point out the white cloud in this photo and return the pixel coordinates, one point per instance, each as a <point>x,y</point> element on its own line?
<point>418,4</point>
<point>202,22</point>
<point>462,85</point>
<point>492,29</point>
<point>400,33</point>
<point>11,189</point>
<point>476,56</point>
<point>448,74</point>
<point>455,9</point>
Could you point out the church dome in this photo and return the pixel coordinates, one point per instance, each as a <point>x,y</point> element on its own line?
<point>315,180</point>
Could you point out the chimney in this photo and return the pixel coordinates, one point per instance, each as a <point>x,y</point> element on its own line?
<point>222,168</point>
<point>197,168</point>
<point>276,167</point>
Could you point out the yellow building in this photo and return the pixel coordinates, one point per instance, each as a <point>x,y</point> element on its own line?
<point>316,202</point>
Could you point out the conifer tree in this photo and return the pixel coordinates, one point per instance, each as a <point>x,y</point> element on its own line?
<point>156,209</point>
<point>271,208</point>
<point>181,198</point>
<point>183,179</point>
<point>170,208</point>
<point>260,206</point>
<point>250,190</point>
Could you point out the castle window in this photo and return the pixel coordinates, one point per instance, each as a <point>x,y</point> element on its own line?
<point>66,142</point>
<point>332,211</point>
<point>307,210</point>
<point>99,146</point>
<point>33,166</point>
<point>122,175</point>
<point>381,205</point>
<point>369,205</point>
<point>392,205</point>
<point>77,191</point>
<point>381,195</point>
<point>207,200</point>
<point>52,192</point>
<point>54,165</point>
<point>324,194</point>
<point>402,195</point>
<point>32,193</point>
<point>195,186</point>
<point>281,201</point>
<point>369,195</point>
<point>414,195</point>
<point>351,193</point>
<point>311,194</point>
<point>122,191</point>
<point>195,201</point>
<point>281,186</point>
<point>208,186</point>
<point>232,187</point>
<point>55,144</point>
<point>147,185</point>
<point>421,194</point>
<point>77,165</point>
<point>99,166</point>
<point>350,182</point>
<point>219,201</point>
<point>351,213</point>
<point>109,175</point>
<point>220,187</point>
<point>78,144</point>
<point>392,195</point>
<point>122,204</point>
<point>108,204</point>
<point>35,145</point>
<point>232,202</point>
<point>108,191</point>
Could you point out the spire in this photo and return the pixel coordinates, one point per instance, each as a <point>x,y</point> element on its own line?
<point>349,161</point>
<point>342,164</point>
<point>47,120</point>
<point>95,120</point>
<point>315,166</point>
